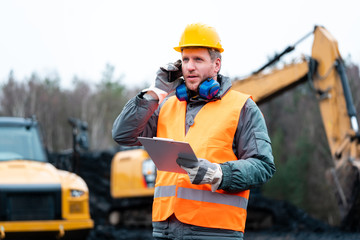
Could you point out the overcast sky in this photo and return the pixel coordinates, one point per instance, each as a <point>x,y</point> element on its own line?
<point>70,37</point>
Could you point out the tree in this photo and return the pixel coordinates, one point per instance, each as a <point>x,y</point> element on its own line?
<point>53,106</point>
<point>13,97</point>
<point>106,103</point>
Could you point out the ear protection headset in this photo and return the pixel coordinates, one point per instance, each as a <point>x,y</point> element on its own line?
<point>207,89</point>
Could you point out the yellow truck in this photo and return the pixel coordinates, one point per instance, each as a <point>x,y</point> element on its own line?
<point>37,201</point>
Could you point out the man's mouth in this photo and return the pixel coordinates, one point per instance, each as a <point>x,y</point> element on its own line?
<point>192,77</point>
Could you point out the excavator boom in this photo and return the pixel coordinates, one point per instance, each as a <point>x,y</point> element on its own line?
<point>325,71</point>
<point>286,78</point>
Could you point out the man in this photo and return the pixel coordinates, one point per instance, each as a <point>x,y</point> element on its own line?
<point>226,130</point>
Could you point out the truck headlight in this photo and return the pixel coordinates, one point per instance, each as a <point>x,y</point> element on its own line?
<point>149,173</point>
<point>76,193</point>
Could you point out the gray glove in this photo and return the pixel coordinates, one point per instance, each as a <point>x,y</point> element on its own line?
<point>202,172</point>
<point>168,77</point>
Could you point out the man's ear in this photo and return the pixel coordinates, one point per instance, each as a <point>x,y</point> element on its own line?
<point>217,65</point>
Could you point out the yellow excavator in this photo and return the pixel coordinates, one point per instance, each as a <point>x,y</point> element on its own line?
<point>132,182</point>
<point>326,73</point>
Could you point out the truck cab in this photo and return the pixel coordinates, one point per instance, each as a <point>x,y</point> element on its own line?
<point>36,199</point>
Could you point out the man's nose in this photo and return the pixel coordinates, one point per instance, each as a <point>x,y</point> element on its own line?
<point>190,66</point>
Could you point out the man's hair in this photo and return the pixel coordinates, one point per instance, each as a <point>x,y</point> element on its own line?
<point>214,54</point>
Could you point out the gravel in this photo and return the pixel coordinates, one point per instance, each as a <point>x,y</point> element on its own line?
<point>113,233</point>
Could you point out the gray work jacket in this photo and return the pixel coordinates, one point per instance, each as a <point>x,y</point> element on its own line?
<point>251,144</point>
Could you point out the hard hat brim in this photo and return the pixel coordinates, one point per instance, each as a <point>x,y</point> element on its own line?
<point>178,49</point>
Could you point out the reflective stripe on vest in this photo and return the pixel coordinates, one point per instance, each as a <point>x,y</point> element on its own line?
<point>211,137</point>
<point>165,191</point>
<point>199,195</point>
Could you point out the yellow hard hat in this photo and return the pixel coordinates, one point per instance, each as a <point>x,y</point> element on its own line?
<point>199,35</point>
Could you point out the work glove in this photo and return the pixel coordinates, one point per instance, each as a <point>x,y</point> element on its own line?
<point>167,79</point>
<point>202,171</point>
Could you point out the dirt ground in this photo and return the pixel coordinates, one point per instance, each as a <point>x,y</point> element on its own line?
<point>111,233</point>
<point>301,235</point>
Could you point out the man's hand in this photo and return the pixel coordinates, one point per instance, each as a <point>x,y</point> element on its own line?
<point>167,79</point>
<point>168,76</point>
<point>202,172</point>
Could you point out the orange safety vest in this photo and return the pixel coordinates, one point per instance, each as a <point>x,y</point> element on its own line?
<point>211,137</point>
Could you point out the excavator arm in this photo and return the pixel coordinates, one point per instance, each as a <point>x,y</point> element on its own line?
<point>273,83</point>
<point>326,73</point>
